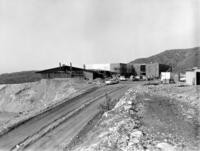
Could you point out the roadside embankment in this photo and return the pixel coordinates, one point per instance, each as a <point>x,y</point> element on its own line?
<point>148,117</point>
<point>31,99</point>
<point>116,130</point>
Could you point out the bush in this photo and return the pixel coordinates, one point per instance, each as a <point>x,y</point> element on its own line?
<point>108,104</point>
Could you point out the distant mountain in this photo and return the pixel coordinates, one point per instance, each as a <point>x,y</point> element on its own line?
<point>179,59</point>
<point>19,77</point>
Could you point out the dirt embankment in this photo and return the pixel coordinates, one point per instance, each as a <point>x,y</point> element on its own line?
<point>148,118</point>
<point>27,98</point>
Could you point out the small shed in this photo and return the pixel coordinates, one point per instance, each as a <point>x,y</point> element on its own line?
<point>193,76</point>
<point>166,77</point>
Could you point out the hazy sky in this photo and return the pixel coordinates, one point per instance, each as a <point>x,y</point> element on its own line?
<point>37,34</point>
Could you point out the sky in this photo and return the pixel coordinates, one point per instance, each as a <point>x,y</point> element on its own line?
<point>38,34</point>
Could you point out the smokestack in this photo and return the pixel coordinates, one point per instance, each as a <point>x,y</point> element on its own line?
<point>84,66</point>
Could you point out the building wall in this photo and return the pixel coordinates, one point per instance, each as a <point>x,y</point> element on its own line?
<point>152,70</point>
<point>88,75</point>
<point>130,70</point>
<point>190,77</point>
<point>118,68</point>
<point>54,75</point>
<point>137,68</point>
<point>66,74</point>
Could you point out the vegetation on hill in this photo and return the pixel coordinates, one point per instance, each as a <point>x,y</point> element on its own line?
<point>179,59</point>
<point>19,77</point>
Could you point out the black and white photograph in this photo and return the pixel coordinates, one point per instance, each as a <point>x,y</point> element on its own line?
<point>99,75</point>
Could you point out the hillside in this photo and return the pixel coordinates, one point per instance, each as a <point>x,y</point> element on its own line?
<point>19,77</point>
<point>180,59</point>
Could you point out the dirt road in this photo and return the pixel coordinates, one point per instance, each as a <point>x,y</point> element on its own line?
<point>66,131</point>
<point>164,121</point>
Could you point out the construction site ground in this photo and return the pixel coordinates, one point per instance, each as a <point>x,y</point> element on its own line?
<point>148,116</point>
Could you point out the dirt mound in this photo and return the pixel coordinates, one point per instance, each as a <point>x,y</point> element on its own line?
<point>28,97</point>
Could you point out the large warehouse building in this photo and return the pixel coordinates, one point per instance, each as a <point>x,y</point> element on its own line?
<point>73,72</point>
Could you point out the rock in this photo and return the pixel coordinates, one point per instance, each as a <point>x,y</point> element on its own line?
<point>165,147</point>
<point>136,134</point>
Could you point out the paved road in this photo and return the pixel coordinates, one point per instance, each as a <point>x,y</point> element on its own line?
<point>65,131</point>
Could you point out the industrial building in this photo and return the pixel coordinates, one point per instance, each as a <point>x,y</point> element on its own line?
<point>119,68</point>
<point>193,76</point>
<point>151,70</point>
<point>65,71</point>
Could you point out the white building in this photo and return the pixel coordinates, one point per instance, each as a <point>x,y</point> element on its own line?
<point>120,68</point>
<point>105,67</point>
<point>193,76</point>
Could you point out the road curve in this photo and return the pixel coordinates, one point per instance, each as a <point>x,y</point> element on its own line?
<point>20,133</point>
<point>64,133</point>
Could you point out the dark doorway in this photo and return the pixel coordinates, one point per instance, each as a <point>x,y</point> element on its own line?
<point>198,78</point>
<point>143,70</point>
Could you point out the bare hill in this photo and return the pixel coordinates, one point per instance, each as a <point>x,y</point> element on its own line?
<point>179,59</point>
<point>19,77</point>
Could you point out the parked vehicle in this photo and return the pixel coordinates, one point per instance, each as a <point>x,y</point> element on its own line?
<point>137,78</point>
<point>111,81</point>
<point>182,79</point>
<point>122,78</point>
<point>144,78</point>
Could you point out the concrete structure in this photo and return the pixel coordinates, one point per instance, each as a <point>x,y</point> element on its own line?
<point>193,76</point>
<point>151,70</point>
<point>119,68</point>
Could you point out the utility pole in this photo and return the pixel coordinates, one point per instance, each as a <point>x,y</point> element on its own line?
<point>70,69</point>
